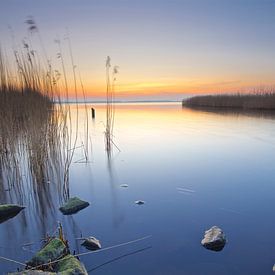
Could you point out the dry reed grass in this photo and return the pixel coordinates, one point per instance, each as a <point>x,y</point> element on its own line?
<point>37,142</point>
<point>261,99</point>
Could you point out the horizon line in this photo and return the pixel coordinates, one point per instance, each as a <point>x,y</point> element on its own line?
<point>116,101</point>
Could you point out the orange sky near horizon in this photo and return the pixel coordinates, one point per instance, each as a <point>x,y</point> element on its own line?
<point>174,88</point>
<point>165,50</point>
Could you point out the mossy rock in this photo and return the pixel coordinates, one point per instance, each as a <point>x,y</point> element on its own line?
<point>32,272</point>
<point>73,205</point>
<point>69,265</point>
<point>8,211</point>
<point>54,250</point>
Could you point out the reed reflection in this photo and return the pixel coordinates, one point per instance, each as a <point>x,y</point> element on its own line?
<point>31,160</point>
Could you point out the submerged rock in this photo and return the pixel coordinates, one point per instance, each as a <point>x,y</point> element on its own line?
<point>91,243</point>
<point>73,205</point>
<point>70,265</point>
<point>139,202</point>
<point>214,239</point>
<point>54,250</point>
<point>124,185</point>
<point>8,211</point>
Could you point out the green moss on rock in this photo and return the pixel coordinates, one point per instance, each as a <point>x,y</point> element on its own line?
<point>32,272</point>
<point>69,265</point>
<point>73,205</point>
<point>54,250</point>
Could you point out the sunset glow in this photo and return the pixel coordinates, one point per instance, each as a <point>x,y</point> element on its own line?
<point>164,50</point>
<point>137,137</point>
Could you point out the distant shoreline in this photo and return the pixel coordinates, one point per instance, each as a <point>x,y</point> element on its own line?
<point>119,101</point>
<point>257,101</point>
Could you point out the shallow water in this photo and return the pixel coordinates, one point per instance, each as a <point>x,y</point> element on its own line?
<point>194,169</point>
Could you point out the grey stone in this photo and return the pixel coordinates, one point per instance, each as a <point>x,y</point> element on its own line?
<point>214,239</point>
<point>73,205</point>
<point>91,243</point>
<point>8,211</point>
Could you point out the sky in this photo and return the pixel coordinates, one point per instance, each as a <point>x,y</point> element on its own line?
<point>165,50</point>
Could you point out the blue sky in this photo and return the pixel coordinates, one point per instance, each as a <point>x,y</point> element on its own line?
<point>164,48</point>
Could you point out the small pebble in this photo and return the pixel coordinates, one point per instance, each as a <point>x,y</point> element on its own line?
<point>124,185</point>
<point>139,202</point>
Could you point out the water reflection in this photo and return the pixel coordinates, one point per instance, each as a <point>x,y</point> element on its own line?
<point>224,162</point>
<point>117,215</point>
<point>32,169</point>
<point>119,258</point>
<point>270,114</point>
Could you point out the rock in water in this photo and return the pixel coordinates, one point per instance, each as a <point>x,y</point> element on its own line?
<point>32,272</point>
<point>67,265</point>
<point>62,262</point>
<point>73,205</point>
<point>214,239</point>
<point>124,185</point>
<point>54,250</point>
<point>70,265</point>
<point>139,202</point>
<point>8,211</point>
<point>91,243</point>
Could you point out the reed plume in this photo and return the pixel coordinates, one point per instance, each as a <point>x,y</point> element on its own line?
<point>110,107</point>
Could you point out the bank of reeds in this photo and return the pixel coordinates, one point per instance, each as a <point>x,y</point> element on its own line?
<point>37,142</point>
<point>29,129</point>
<point>260,100</point>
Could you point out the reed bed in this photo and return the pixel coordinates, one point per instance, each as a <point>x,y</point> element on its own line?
<point>259,100</point>
<point>29,139</point>
<point>37,141</point>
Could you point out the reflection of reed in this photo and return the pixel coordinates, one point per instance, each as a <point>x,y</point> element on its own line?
<point>117,215</point>
<point>257,113</point>
<point>120,257</point>
<point>29,143</point>
<point>31,163</point>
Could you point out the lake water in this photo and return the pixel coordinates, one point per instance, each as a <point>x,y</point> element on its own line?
<point>194,169</point>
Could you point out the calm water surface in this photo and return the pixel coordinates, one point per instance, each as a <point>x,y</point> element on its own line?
<point>194,169</point>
